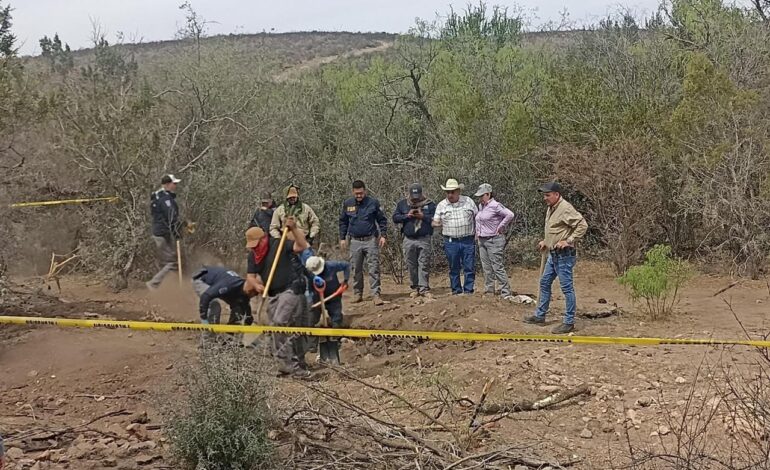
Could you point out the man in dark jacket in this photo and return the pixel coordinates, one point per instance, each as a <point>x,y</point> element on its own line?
<point>364,222</point>
<point>214,284</point>
<point>166,227</point>
<point>415,214</point>
<point>264,214</point>
<point>287,305</point>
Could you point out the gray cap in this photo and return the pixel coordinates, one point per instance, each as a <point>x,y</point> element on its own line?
<point>415,190</point>
<point>483,189</point>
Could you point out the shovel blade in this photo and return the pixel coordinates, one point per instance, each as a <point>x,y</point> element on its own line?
<point>330,352</point>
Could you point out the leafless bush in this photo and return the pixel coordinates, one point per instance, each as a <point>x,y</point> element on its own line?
<point>623,198</point>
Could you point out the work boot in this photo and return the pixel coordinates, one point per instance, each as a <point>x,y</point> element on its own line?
<point>534,320</point>
<point>378,300</point>
<point>358,298</point>
<point>563,329</point>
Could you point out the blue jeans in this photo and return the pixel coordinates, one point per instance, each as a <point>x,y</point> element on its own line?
<point>558,265</point>
<point>461,253</point>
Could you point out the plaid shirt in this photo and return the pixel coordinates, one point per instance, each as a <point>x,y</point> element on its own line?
<point>457,219</point>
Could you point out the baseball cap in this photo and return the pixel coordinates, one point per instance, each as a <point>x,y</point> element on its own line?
<point>169,179</point>
<point>415,190</point>
<point>267,197</point>
<point>551,187</point>
<point>253,236</point>
<point>483,189</point>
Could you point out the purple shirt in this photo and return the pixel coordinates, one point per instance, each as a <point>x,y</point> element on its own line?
<point>492,219</point>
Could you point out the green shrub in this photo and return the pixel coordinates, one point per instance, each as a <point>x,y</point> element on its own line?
<point>656,283</point>
<point>222,421</point>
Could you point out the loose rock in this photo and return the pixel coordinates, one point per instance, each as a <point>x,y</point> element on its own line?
<point>14,453</point>
<point>586,434</point>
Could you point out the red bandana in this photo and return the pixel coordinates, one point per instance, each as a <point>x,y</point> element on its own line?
<point>260,251</point>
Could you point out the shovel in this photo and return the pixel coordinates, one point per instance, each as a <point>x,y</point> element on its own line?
<point>328,348</point>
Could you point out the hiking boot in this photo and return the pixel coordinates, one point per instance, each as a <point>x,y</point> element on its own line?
<point>358,298</point>
<point>378,300</point>
<point>563,329</point>
<point>534,320</point>
<point>414,294</point>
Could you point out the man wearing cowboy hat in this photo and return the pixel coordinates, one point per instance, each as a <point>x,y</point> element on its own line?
<point>456,215</point>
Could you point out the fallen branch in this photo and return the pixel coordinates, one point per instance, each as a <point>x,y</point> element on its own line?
<point>540,404</point>
<point>725,289</point>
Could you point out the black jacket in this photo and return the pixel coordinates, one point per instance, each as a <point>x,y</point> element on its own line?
<point>223,284</point>
<point>262,218</point>
<point>165,214</point>
<point>409,226</point>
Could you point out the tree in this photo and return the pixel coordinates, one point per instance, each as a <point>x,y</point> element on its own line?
<point>7,39</point>
<point>59,57</point>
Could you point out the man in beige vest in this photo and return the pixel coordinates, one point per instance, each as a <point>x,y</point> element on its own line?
<point>564,226</point>
<point>303,214</point>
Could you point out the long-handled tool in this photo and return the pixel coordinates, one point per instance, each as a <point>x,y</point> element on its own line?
<point>248,339</point>
<point>328,348</point>
<point>179,261</point>
<point>336,293</point>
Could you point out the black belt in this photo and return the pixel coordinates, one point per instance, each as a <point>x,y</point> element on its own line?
<point>457,239</point>
<point>362,239</point>
<point>564,252</point>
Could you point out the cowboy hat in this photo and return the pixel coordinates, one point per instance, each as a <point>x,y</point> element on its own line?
<point>452,184</point>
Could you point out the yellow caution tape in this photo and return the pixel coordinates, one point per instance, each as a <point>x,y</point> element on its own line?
<point>64,201</point>
<point>374,334</point>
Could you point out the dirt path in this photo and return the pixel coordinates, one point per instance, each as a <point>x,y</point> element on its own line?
<point>296,70</point>
<point>55,378</point>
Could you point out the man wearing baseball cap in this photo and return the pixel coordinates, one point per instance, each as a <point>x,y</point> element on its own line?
<point>166,227</point>
<point>287,305</point>
<point>415,214</point>
<point>564,226</point>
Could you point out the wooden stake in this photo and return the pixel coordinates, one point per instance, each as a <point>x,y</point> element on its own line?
<point>179,260</point>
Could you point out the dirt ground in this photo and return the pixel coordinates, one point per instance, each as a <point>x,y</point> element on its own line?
<point>87,398</point>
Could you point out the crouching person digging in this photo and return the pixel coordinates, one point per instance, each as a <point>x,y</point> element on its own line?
<point>274,267</point>
<point>327,307</point>
<point>214,284</point>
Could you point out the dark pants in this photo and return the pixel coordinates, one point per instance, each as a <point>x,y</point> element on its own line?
<point>461,253</point>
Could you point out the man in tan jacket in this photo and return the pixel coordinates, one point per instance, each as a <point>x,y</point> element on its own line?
<point>303,214</point>
<point>564,226</point>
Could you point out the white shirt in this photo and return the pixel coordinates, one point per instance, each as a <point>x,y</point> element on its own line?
<point>457,219</point>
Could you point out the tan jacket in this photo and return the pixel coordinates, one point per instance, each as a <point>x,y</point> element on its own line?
<point>307,221</point>
<point>563,222</point>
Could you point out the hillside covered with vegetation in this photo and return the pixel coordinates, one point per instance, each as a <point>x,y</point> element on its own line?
<point>658,127</point>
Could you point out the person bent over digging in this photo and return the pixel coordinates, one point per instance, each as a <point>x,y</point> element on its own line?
<point>213,284</point>
<point>563,227</point>
<point>287,305</point>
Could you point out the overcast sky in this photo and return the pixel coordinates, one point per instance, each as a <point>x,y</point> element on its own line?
<point>152,20</point>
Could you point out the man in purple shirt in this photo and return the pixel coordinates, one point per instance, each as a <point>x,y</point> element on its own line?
<point>492,220</point>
